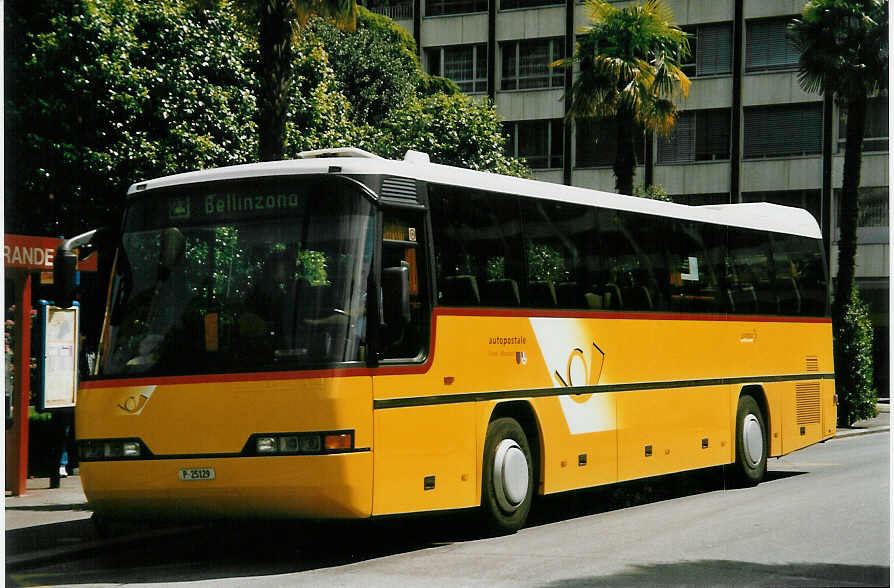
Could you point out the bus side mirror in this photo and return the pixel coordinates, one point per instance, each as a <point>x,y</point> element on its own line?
<point>65,264</point>
<point>396,296</point>
<point>64,269</point>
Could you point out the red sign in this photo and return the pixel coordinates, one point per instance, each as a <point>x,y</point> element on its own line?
<point>36,253</point>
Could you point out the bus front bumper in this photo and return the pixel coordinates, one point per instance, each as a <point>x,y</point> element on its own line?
<point>310,486</point>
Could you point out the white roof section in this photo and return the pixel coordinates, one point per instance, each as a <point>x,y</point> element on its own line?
<point>351,161</point>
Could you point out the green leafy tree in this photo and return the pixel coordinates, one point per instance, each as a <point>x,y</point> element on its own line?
<point>453,130</point>
<point>395,106</point>
<point>278,23</point>
<point>105,93</point>
<point>857,395</point>
<point>376,65</point>
<point>318,113</point>
<point>844,51</point>
<point>630,71</point>
<point>653,192</point>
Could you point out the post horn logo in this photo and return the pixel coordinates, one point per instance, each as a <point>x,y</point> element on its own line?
<point>579,373</point>
<point>137,402</point>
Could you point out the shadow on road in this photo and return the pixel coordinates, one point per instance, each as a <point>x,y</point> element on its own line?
<point>239,549</point>
<point>736,573</point>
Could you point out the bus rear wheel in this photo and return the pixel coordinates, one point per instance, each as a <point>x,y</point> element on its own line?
<point>751,443</point>
<point>508,477</point>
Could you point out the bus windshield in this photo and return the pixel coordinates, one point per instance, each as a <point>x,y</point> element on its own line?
<point>240,277</point>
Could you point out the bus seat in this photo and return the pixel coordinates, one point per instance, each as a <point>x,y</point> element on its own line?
<point>566,295</point>
<point>593,300</point>
<point>637,298</point>
<point>461,290</point>
<point>744,299</point>
<point>789,296</point>
<point>542,294</point>
<point>503,292</point>
<point>613,293</point>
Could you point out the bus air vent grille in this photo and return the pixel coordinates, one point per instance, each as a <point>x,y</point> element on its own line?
<point>812,363</point>
<point>400,189</point>
<point>807,397</point>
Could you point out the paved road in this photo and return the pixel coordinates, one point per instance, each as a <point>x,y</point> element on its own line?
<point>822,518</point>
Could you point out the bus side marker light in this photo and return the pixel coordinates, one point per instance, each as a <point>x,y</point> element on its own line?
<point>648,451</point>
<point>131,449</point>
<point>448,380</point>
<point>266,444</point>
<point>338,441</point>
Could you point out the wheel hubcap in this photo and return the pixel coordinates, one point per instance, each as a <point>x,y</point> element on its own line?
<point>510,475</point>
<point>753,439</point>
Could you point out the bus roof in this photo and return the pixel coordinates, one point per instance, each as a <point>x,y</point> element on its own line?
<point>352,161</point>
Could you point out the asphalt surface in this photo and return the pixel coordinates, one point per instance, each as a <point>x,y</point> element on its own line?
<point>46,526</point>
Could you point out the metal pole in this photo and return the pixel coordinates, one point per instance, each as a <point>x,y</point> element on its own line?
<point>17,475</point>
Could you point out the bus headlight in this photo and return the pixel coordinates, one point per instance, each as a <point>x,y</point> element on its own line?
<point>300,443</point>
<point>110,449</point>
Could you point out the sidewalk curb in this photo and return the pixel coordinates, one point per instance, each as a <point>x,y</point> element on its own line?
<point>845,433</point>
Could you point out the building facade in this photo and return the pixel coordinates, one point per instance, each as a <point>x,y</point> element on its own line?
<point>747,132</point>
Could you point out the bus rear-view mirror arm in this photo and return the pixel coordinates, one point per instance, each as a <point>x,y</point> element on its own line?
<point>65,265</point>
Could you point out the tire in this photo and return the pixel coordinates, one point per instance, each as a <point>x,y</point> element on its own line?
<point>751,443</point>
<point>507,484</point>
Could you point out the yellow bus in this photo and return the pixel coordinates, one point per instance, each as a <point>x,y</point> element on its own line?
<point>345,336</point>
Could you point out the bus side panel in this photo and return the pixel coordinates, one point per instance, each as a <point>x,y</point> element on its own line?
<point>425,457</point>
<point>577,461</point>
<point>673,430</point>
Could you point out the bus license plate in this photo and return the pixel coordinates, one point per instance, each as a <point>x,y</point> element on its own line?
<point>196,474</point>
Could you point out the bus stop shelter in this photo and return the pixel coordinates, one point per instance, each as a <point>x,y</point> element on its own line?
<point>25,257</point>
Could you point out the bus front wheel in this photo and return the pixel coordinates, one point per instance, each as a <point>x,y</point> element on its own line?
<point>751,442</point>
<point>508,477</point>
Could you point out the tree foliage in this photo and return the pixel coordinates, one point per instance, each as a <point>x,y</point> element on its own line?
<point>857,395</point>
<point>375,65</point>
<point>844,51</point>
<point>629,70</point>
<point>408,109</point>
<point>103,94</point>
<point>278,23</point>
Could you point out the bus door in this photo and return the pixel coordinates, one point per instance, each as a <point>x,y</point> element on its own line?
<point>424,447</point>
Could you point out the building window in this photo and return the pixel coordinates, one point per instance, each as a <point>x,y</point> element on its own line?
<point>875,133</point>
<point>464,64</point>
<point>597,143</point>
<point>783,130</point>
<point>710,50</point>
<point>767,45</point>
<point>809,200</point>
<point>701,199</point>
<point>442,7</point>
<point>510,4</point>
<point>538,141</point>
<point>873,207</point>
<point>699,135</point>
<point>526,64</point>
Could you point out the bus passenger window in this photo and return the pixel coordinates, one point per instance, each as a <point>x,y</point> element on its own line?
<point>479,254</point>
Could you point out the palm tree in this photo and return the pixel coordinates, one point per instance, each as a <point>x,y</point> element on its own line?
<point>844,50</point>
<point>278,22</point>
<point>629,70</point>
